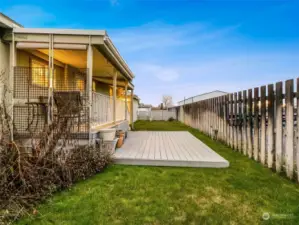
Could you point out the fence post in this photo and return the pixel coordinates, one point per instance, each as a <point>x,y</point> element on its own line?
<point>289,117</point>
<point>270,128</point>
<point>278,126</point>
<point>263,124</point>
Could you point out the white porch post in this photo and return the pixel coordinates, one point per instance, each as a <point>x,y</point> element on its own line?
<point>9,98</point>
<point>50,79</point>
<point>126,100</point>
<point>131,114</point>
<point>89,82</point>
<point>114,96</point>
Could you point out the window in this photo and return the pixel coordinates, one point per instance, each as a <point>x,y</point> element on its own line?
<point>80,85</point>
<point>39,73</point>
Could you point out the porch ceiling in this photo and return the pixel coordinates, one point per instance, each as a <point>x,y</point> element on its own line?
<point>102,68</point>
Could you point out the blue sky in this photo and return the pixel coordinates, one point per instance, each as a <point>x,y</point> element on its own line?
<point>184,48</point>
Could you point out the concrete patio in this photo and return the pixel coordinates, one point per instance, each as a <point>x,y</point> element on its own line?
<point>167,148</point>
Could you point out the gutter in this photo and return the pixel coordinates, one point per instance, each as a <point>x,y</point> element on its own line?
<point>116,54</point>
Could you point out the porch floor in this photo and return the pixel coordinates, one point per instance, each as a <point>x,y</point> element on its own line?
<point>167,148</point>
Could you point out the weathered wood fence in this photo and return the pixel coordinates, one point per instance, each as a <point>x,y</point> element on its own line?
<point>260,123</point>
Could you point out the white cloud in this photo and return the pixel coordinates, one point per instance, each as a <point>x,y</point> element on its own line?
<point>156,35</point>
<point>29,15</point>
<point>163,73</point>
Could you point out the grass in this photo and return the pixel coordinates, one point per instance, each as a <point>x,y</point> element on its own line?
<point>131,195</point>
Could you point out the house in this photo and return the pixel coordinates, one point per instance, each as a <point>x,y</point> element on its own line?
<point>42,66</point>
<point>136,101</point>
<point>144,111</point>
<point>201,97</point>
<point>178,110</point>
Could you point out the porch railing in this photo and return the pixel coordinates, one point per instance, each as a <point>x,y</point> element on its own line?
<point>102,109</point>
<point>35,103</point>
<point>120,109</point>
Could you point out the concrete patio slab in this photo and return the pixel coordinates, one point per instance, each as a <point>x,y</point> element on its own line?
<point>167,148</point>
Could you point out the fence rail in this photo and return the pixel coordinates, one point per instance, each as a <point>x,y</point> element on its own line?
<point>260,123</point>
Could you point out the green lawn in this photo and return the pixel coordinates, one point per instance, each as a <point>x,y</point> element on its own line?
<point>159,195</point>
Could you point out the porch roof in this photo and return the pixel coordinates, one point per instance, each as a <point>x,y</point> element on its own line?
<point>97,38</point>
<point>7,22</point>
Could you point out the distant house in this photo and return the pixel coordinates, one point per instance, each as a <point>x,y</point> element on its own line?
<point>201,97</point>
<point>136,101</point>
<point>144,111</point>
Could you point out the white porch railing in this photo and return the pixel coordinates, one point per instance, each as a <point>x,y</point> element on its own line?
<point>120,109</point>
<point>102,109</point>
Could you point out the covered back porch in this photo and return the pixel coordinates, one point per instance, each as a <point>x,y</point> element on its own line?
<point>81,70</point>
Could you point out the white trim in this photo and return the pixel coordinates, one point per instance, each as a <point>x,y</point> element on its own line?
<point>5,21</point>
<point>59,31</point>
<point>40,45</point>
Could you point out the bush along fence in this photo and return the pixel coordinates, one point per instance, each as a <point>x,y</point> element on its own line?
<point>260,123</point>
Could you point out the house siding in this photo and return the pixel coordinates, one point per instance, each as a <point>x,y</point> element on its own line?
<point>4,66</point>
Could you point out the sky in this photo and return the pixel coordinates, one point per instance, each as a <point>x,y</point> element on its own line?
<point>184,48</point>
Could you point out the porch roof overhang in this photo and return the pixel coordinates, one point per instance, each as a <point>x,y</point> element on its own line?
<point>7,22</point>
<point>97,38</point>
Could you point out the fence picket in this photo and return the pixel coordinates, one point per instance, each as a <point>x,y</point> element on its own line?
<point>270,127</point>
<point>231,121</point>
<point>289,140</point>
<point>239,122</point>
<point>223,108</point>
<point>235,127</point>
<point>250,125</point>
<point>263,125</point>
<point>244,118</point>
<point>256,125</point>
<point>278,126</point>
<point>227,132</point>
<point>218,104</point>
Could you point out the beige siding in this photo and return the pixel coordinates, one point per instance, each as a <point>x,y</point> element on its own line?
<point>4,64</point>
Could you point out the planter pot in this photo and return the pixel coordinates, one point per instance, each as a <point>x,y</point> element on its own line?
<point>120,141</point>
<point>110,145</point>
<point>107,134</point>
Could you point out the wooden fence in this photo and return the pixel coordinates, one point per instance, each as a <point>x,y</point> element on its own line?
<point>260,123</point>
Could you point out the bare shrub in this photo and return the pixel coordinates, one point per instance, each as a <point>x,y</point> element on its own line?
<point>30,174</point>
